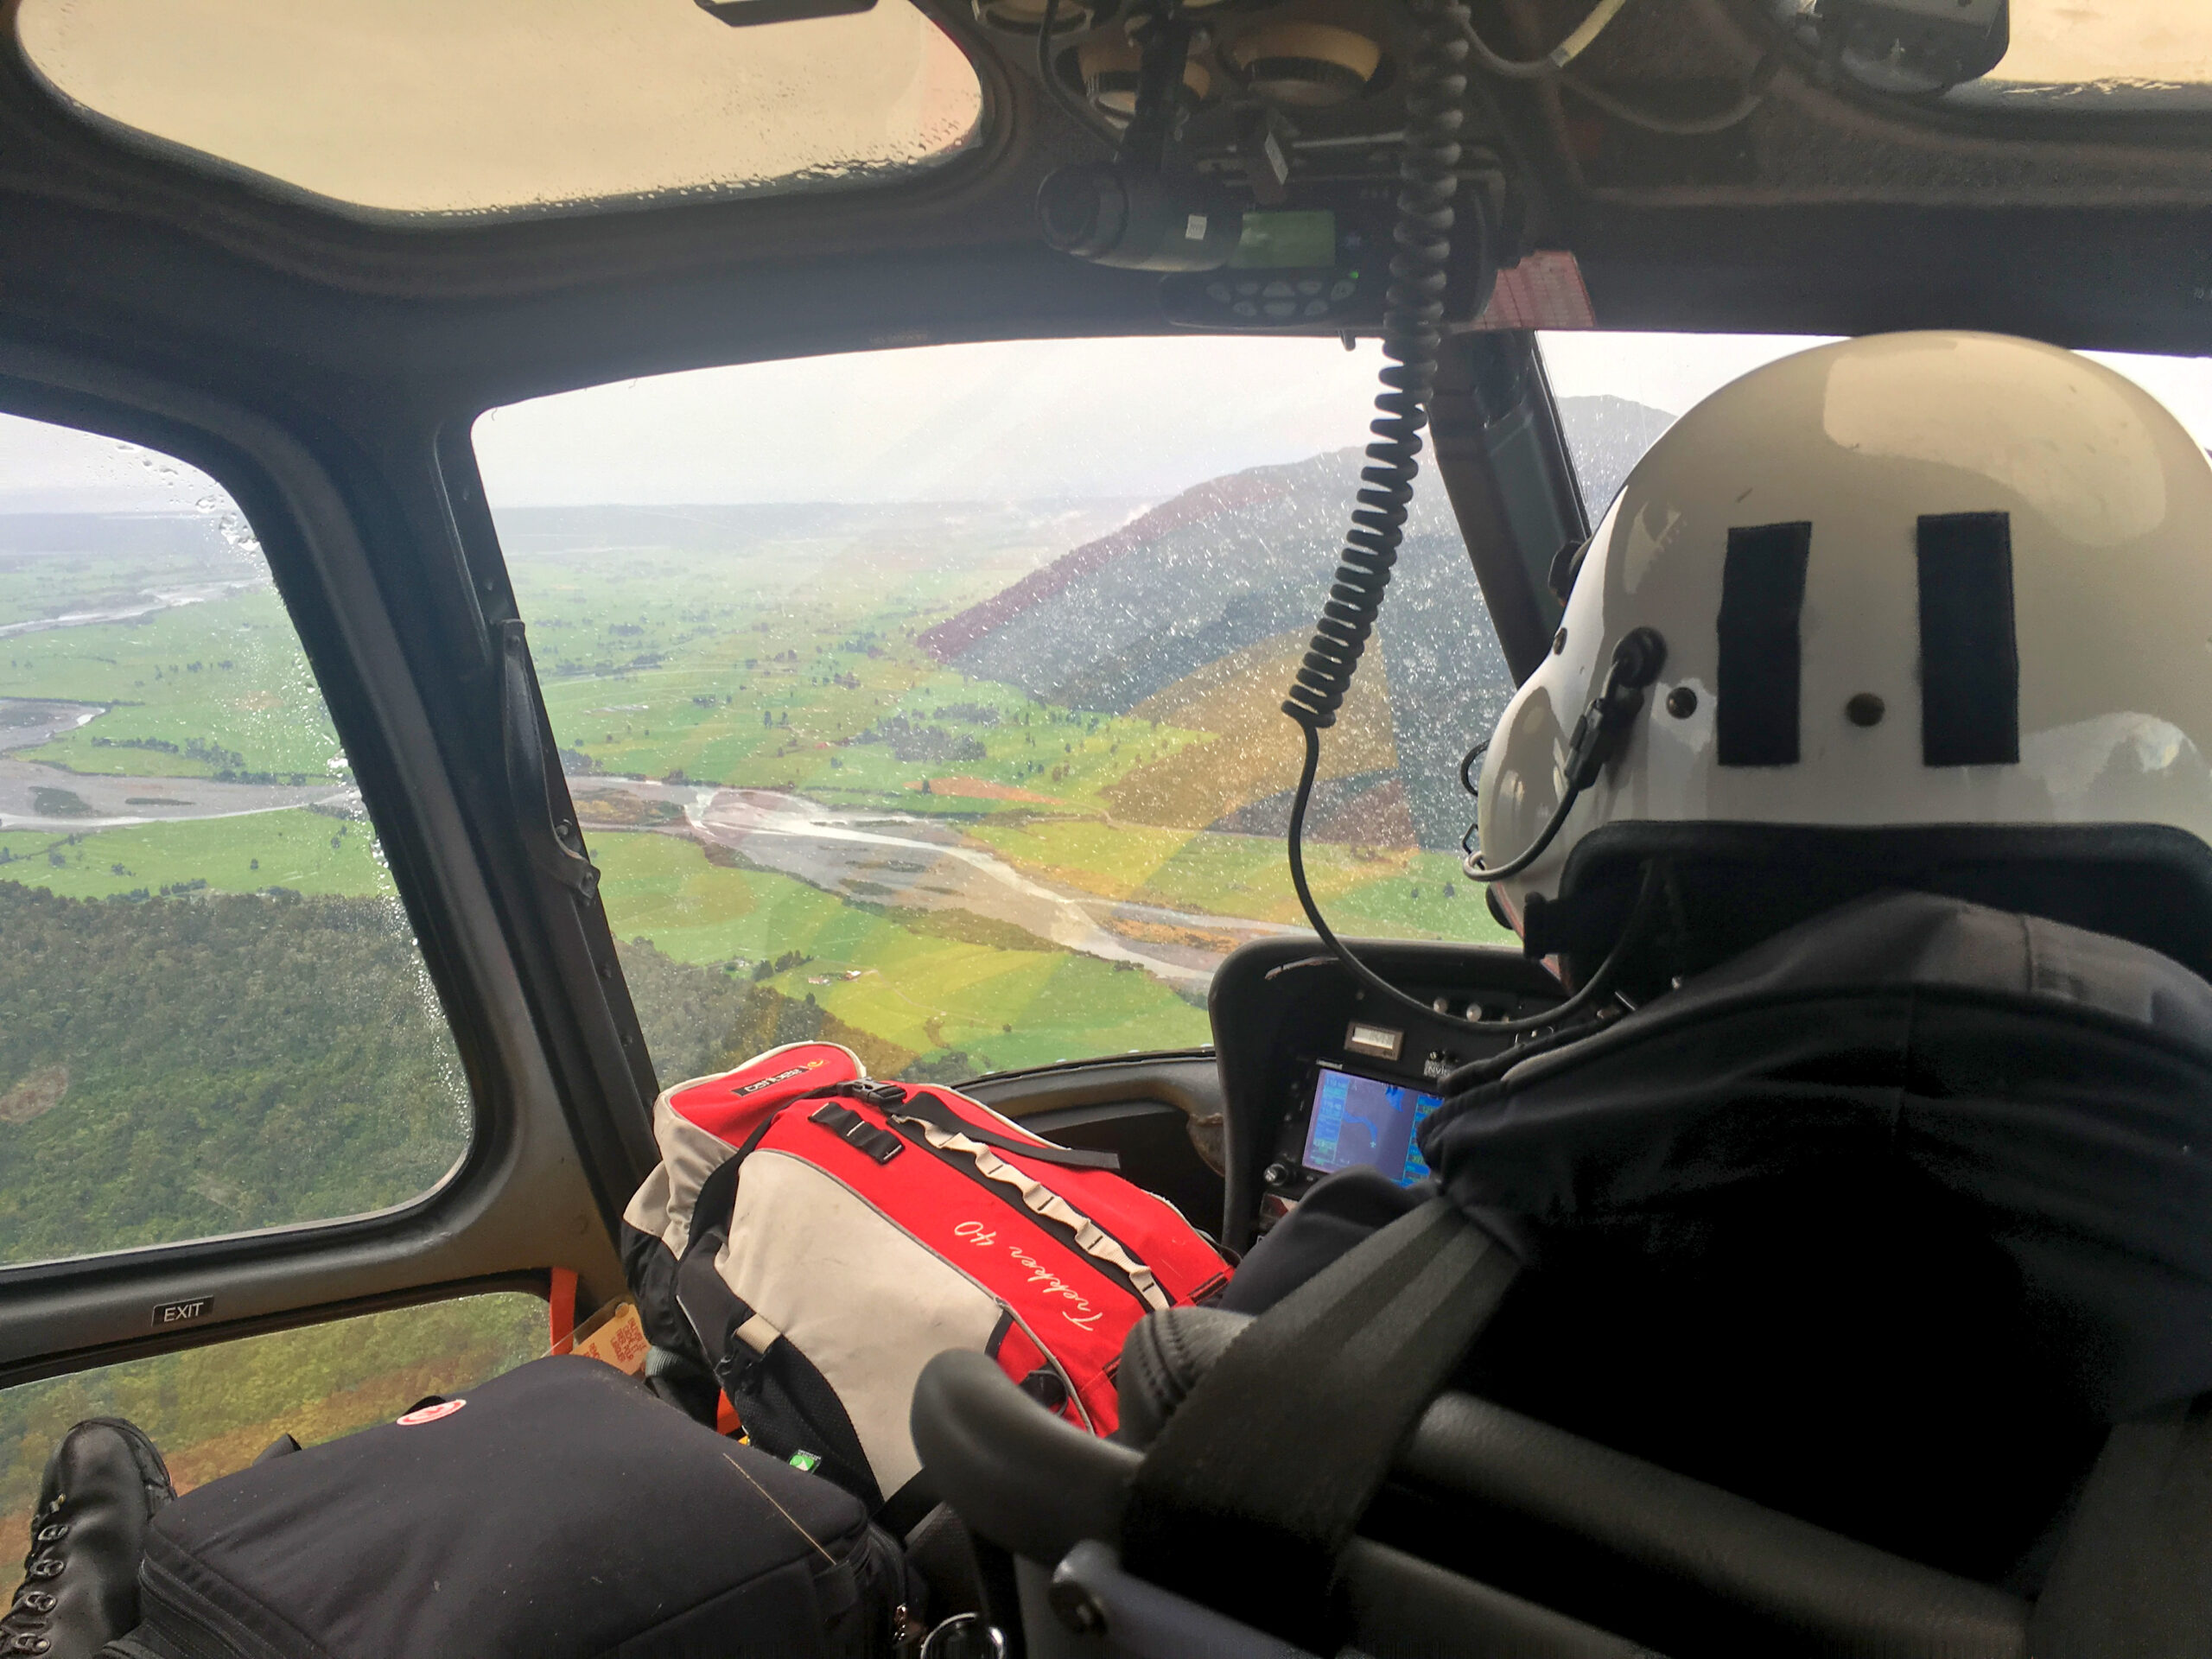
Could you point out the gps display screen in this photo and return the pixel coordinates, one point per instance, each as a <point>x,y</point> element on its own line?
<point>1284,241</point>
<point>1365,1121</point>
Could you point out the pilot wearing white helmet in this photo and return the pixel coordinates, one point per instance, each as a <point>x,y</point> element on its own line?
<point>1864,803</point>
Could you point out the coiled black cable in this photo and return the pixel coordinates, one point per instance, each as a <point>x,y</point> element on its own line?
<point>1412,316</point>
<point>1412,334</point>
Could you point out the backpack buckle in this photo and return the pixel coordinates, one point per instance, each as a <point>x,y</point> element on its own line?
<point>882,1096</point>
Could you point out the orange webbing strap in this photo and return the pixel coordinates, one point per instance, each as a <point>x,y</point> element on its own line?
<point>561,1310</point>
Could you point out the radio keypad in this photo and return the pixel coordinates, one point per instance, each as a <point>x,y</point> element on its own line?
<point>1234,300</point>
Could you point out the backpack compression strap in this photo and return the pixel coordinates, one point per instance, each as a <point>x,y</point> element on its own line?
<point>898,1101</point>
<point>1254,1486</point>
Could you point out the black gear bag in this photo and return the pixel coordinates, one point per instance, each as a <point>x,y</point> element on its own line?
<point>560,1510</point>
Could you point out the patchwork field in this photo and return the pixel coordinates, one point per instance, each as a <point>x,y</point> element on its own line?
<point>927,982</point>
<point>302,849</point>
<point>210,688</point>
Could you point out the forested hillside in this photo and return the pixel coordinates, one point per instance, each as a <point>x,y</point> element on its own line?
<point>173,1068</point>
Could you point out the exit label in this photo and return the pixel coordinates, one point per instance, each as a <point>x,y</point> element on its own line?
<point>182,1312</point>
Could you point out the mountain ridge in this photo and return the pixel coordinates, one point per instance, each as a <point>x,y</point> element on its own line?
<point>1239,564</point>
<point>1607,436</point>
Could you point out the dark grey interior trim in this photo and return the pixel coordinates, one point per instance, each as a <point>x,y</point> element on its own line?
<point>228,1330</point>
<point>1033,1483</point>
<point>1795,1576</point>
<point>1185,1078</point>
<point>1039,1486</point>
<point>1502,454</point>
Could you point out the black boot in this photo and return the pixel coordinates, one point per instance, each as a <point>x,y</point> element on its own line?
<point>103,1485</point>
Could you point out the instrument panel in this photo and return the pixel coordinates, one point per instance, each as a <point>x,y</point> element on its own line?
<point>1319,1075</point>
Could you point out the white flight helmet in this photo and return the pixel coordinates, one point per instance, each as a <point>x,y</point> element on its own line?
<point>1904,585</point>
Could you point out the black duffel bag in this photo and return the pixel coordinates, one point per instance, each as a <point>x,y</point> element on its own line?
<point>559,1511</point>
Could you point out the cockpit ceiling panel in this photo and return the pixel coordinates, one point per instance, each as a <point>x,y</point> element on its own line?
<point>499,108</point>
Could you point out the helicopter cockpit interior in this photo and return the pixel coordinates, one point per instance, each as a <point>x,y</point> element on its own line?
<point>548,547</point>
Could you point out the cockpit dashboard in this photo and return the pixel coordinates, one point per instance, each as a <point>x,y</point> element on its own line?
<point>1316,1078</point>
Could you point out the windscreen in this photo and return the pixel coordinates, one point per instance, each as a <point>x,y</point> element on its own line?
<point>928,700</point>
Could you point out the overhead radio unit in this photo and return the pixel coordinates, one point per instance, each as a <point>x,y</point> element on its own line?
<point>1257,166</point>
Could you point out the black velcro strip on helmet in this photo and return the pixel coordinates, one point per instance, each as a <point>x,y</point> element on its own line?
<point>1762,593</point>
<point>1969,653</point>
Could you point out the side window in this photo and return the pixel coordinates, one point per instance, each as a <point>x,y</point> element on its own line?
<point>928,699</point>
<point>211,1410</point>
<point>213,1017</point>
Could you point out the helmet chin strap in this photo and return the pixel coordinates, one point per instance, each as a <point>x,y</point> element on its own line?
<point>1597,737</point>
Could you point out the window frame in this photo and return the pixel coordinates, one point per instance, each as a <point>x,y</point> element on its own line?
<point>488,1223</point>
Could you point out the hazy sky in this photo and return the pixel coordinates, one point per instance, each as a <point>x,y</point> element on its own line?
<point>56,469</point>
<point>1100,418</point>
<point>1135,417</point>
<point>1027,419</point>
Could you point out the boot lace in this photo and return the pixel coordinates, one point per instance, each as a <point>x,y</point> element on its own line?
<point>23,1626</point>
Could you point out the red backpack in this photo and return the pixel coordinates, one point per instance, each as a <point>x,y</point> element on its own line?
<point>821,1236</point>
